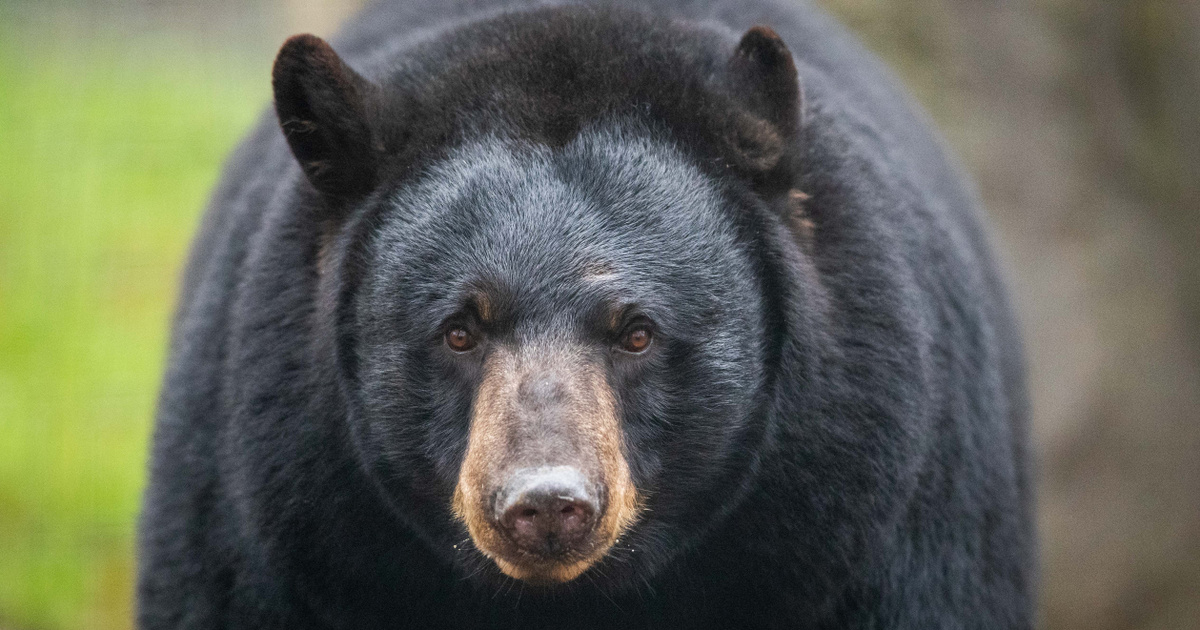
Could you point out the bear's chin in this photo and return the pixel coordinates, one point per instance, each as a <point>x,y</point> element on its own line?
<point>543,574</point>
<point>539,570</point>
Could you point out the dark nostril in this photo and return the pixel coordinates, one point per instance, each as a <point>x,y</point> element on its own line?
<point>561,520</point>
<point>547,510</point>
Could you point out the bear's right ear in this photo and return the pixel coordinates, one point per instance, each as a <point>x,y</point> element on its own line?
<point>322,107</point>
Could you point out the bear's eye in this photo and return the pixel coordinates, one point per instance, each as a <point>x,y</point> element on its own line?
<point>459,339</point>
<point>636,337</point>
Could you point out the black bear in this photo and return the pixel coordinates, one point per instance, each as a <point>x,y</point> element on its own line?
<point>529,315</point>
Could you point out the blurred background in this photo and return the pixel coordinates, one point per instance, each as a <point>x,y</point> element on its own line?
<point>1078,118</point>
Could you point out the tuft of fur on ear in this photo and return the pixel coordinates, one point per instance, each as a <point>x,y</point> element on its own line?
<point>322,107</point>
<point>764,77</point>
<point>799,220</point>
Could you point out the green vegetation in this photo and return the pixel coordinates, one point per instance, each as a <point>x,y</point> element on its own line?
<point>108,147</point>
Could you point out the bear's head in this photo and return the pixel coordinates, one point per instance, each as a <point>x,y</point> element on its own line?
<point>543,263</point>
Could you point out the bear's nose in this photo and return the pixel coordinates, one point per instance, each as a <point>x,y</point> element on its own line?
<point>548,511</point>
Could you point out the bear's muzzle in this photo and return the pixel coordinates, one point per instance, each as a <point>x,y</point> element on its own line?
<point>544,489</point>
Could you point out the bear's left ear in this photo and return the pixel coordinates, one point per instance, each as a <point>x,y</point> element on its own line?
<point>322,107</point>
<point>764,78</point>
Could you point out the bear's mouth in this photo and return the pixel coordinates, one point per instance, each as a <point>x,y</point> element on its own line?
<point>544,490</point>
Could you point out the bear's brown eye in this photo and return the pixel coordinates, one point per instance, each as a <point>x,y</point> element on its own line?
<point>459,339</point>
<point>636,339</point>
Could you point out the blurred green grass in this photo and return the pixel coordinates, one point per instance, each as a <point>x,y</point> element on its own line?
<point>109,143</point>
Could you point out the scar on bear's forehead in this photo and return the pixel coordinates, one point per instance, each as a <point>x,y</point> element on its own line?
<point>599,271</point>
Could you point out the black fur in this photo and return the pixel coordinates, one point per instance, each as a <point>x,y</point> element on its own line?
<point>830,434</point>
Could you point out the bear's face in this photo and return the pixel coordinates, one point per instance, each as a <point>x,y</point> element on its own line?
<point>559,351</point>
<point>545,265</point>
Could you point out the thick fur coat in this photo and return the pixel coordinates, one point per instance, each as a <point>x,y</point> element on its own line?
<point>828,429</point>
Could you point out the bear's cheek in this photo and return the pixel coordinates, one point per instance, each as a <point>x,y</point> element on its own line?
<point>692,434</point>
<point>544,489</point>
